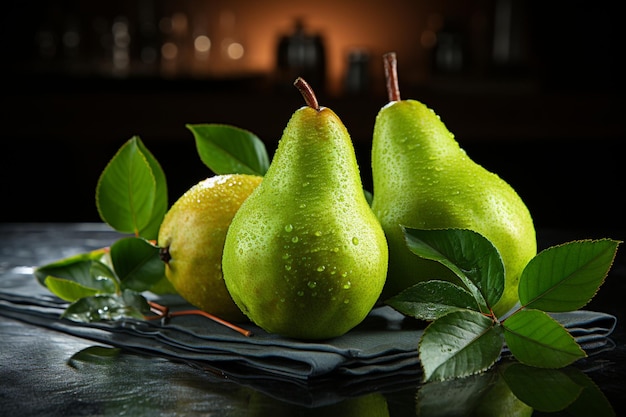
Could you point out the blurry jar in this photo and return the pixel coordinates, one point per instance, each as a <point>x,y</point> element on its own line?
<point>300,54</point>
<point>357,80</point>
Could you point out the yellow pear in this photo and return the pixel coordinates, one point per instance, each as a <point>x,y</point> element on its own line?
<point>191,239</point>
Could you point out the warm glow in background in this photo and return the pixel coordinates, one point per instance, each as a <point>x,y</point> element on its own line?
<point>230,39</point>
<point>344,25</point>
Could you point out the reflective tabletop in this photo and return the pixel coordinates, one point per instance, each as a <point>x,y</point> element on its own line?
<point>47,372</point>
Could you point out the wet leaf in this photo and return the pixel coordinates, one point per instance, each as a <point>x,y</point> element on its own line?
<point>458,344</point>
<point>471,256</point>
<point>129,304</point>
<point>430,300</point>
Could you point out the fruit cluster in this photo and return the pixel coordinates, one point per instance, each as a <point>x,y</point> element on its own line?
<point>302,253</point>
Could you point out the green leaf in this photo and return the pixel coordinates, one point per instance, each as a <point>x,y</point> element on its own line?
<point>151,229</point>
<point>430,300</point>
<point>126,190</point>
<point>75,267</point>
<point>69,290</point>
<point>536,339</point>
<point>471,256</point>
<point>546,390</point>
<point>102,273</point>
<point>77,277</point>
<point>230,150</point>
<point>129,304</point>
<point>458,344</point>
<point>566,277</point>
<point>137,263</point>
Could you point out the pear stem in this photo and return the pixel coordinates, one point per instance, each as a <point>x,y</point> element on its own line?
<point>307,92</point>
<point>164,312</point>
<point>391,75</point>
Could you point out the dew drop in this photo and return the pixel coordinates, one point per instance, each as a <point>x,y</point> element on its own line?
<point>321,268</point>
<point>346,301</point>
<point>318,233</point>
<point>288,267</point>
<point>355,240</point>
<point>311,284</point>
<point>295,239</point>
<point>300,293</point>
<point>288,228</point>
<point>347,285</point>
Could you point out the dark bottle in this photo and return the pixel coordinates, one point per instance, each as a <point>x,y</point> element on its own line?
<point>301,54</point>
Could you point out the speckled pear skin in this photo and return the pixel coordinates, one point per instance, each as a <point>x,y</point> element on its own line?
<point>423,179</point>
<point>193,232</point>
<point>305,257</point>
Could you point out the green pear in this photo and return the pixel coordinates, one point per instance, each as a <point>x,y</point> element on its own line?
<point>304,256</point>
<point>191,241</point>
<point>500,401</point>
<point>423,179</point>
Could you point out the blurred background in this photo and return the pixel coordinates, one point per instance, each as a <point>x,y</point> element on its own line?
<point>531,89</point>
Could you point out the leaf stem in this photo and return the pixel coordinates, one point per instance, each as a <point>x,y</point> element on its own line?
<point>391,76</point>
<point>162,311</point>
<point>307,92</point>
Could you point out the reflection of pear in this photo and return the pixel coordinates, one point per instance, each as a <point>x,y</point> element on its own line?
<point>305,256</point>
<point>374,405</point>
<point>500,401</point>
<point>192,237</point>
<point>422,179</point>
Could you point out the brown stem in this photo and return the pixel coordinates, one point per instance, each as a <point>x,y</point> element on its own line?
<point>391,75</point>
<point>163,311</point>
<point>307,92</point>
